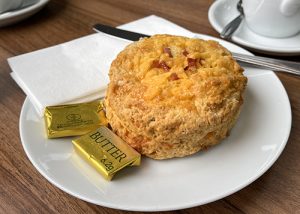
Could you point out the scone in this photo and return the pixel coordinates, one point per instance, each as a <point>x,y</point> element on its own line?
<point>171,96</point>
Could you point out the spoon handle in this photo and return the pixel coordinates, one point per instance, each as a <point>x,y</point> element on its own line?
<point>231,27</point>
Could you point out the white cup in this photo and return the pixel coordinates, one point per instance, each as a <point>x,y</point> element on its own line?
<point>273,18</point>
<point>8,5</point>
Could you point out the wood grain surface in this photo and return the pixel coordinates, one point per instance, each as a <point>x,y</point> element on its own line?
<point>24,190</point>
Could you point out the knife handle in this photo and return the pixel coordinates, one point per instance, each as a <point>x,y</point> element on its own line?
<point>269,63</point>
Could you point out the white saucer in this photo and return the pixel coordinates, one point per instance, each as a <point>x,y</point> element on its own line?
<point>18,15</point>
<point>254,144</point>
<point>222,12</point>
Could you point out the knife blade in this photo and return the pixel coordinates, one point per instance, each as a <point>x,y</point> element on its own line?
<point>125,34</point>
<point>262,62</point>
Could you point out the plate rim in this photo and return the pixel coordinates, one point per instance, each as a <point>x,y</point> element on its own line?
<point>22,11</point>
<point>11,17</point>
<point>27,103</point>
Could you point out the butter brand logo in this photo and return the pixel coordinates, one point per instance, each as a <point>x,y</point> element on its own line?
<point>73,117</point>
<point>108,146</point>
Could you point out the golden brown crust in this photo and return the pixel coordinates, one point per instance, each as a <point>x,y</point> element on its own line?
<point>172,96</point>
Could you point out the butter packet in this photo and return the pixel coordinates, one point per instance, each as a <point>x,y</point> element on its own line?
<point>74,119</point>
<point>106,152</point>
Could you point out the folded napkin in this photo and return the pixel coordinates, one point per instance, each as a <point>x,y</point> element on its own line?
<point>77,71</point>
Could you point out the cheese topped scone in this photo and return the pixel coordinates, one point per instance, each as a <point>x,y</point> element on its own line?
<point>171,96</point>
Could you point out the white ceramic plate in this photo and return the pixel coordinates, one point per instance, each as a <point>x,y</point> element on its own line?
<point>18,15</point>
<point>255,143</point>
<point>221,12</point>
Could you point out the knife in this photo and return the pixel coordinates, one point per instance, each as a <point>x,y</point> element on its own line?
<point>262,62</point>
<point>125,34</point>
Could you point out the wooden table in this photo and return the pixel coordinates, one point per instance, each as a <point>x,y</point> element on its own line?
<point>23,189</point>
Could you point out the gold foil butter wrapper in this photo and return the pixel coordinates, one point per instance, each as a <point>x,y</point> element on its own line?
<point>74,119</point>
<point>106,152</point>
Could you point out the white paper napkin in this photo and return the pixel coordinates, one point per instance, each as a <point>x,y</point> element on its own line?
<point>77,71</point>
